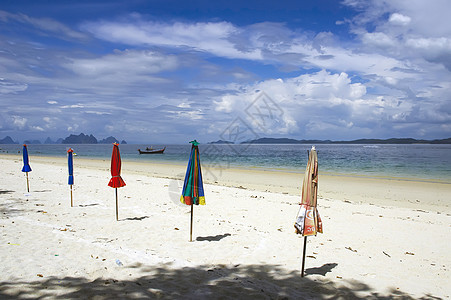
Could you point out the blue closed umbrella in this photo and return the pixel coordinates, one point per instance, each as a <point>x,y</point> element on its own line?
<point>26,164</point>
<point>70,164</point>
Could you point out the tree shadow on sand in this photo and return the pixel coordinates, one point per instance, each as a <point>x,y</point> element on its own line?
<point>203,282</point>
<point>10,209</point>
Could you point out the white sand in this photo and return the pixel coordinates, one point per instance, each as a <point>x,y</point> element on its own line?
<point>383,238</point>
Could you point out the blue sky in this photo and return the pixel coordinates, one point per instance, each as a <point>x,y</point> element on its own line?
<point>166,71</point>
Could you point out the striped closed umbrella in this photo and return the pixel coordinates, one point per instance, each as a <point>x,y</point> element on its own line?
<point>193,189</point>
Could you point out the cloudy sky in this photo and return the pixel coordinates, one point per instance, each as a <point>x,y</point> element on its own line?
<point>167,71</point>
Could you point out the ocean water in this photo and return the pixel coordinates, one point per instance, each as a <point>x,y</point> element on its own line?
<point>429,162</point>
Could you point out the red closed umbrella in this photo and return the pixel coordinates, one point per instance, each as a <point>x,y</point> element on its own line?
<point>116,180</point>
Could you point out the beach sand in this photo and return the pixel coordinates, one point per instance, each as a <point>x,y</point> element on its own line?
<point>383,237</point>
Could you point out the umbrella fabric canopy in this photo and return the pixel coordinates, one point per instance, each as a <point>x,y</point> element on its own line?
<point>308,221</point>
<point>116,180</point>
<point>26,165</point>
<point>193,189</point>
<point>70,164</point>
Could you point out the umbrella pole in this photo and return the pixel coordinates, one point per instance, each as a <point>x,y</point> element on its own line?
<point>305,242</point>
<point>191,227</point>
<point>117,215</point>
<point>28,186</point>
<point>303,256</point>
<point>71,201</point>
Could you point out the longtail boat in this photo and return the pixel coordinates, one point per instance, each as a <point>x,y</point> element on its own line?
<point>151,151</point>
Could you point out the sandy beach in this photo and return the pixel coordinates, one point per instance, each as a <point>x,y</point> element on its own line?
<point>383,237</point>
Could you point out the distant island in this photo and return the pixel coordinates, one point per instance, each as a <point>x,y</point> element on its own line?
<point>8,140</point>
<point>221,142</point>
<point>266,140</point>
<point>50,141</point>
<point>80,139</point>
<point>71,139</point>
<point>89,139</point>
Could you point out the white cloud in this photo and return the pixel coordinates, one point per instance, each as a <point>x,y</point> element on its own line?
<point>319,104</point>
<point>99,113</point>
<point>37,128</point>
<point>428,18</point>
<point>300,98</point>
<point>8,87</point>
<point>78,105</point>
<point>394,70</point>
<point>384,49</point>
<point>433,49</point>
<point>43,24</point>
<point>399,19</point>
<point>414,30</point>
<point>73,128</point>
<point>124,63</point>
<point>184,105</point>
<point>19,122</point>
<point>378,39</point>
<point>210,36</point>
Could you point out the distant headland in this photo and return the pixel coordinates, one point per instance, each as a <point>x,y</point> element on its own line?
<point>267,140</point>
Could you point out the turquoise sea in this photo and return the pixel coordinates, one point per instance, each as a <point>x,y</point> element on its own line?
<point>417,161</point>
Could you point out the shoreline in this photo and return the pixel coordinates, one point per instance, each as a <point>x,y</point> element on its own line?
<point>249,168</point>
<point>357,174</point>
<point>392,191</point>
<point>336,162</point>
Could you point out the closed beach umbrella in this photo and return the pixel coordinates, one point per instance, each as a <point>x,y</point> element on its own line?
<point>70,164</point>
<point>193,190</point>
<point>26,164</point>
<point>116,179</point>
<point>308,221</point>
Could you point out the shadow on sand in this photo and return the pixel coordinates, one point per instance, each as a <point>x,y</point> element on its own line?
<point>10,209</point>
<point>323,270</point>
<point>215,238</point>
<point>5,192</point>
<point>136,218</point>
<point>203,282</point>
<point>88,205</point>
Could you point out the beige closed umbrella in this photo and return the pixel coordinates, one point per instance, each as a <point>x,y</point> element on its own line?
<point>308,221</point>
